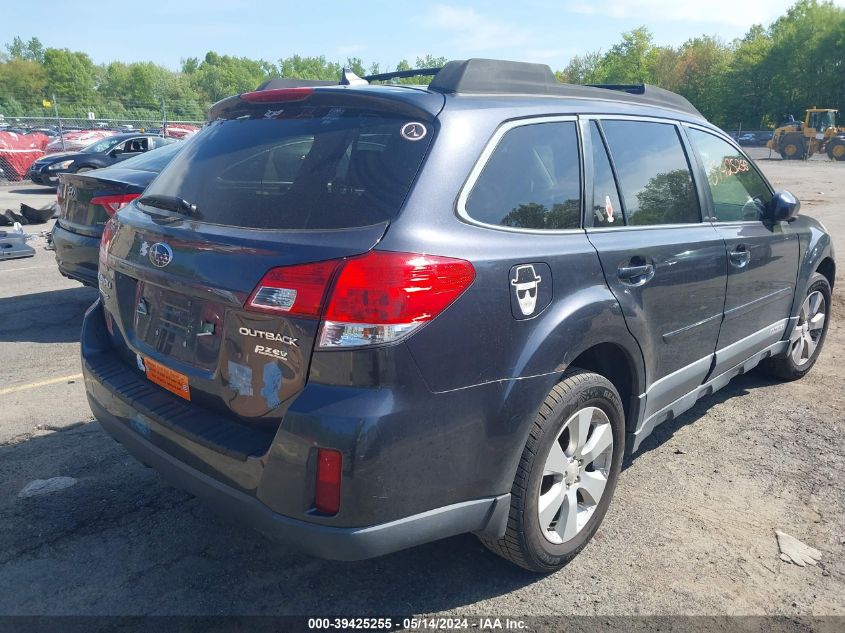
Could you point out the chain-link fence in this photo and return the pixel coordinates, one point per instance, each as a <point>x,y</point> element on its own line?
<point>23,140</point>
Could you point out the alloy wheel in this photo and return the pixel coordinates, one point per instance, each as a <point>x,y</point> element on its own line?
<point>575,474</point>
<point>808,330</point>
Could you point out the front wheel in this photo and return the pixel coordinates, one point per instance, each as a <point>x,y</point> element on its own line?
<point>808,334</point>
<point>566,475</point>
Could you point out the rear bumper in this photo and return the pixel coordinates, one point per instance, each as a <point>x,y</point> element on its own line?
<point>318,540</point>
<point>76,255</point>
<point>250,479</point>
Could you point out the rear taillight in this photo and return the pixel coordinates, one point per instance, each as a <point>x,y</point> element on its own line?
<point>114,203</point>
<point>327,491</point>
<point>384,296</point>
<point>277,95</point>
<point>376,298</point>
<point>109,230</point>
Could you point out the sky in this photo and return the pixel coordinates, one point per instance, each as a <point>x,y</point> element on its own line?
<point>545,31</point>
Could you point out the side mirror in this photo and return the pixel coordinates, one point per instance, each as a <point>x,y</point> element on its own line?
<point>115,152</point>
<point>783,207</point>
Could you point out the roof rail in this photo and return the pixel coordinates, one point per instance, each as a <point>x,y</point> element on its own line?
<point>493,76</point>
<point>401,74</point>
<point>634,89</point>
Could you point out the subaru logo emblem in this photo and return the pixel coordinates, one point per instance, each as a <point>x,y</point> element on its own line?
<point>160,254</point>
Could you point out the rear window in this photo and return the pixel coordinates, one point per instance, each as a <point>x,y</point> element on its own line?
<point>300,167</point>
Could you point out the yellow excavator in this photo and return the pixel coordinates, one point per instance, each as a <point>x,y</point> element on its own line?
<point>818,133</point>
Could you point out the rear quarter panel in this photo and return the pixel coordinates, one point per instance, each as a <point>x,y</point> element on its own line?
<point>477,341</point>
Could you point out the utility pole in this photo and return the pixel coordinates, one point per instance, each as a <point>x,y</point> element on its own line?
<point>59,121</point>
<point>163,119</point>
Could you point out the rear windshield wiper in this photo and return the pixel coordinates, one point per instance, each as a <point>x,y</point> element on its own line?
<point>169,203</point>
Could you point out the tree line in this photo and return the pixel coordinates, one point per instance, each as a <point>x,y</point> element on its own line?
<point>756,81</point>
<point>796,62</point>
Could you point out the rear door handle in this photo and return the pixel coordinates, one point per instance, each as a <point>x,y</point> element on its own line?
<point>635,275</point>
<point>740,256</point>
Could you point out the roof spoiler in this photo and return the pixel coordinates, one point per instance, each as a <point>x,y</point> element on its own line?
<point>280,83</point>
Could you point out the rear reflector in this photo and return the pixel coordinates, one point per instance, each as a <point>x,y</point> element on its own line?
<point>376,298</point>
<point>277,95</point>
<point>327,492</point>
<point>113,204</point>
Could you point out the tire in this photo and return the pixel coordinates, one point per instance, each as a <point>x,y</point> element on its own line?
<point>795,364</point>
<point>836,149</point>
<point>792,147</point>
<point>82,170</point>
<point>581,400</point>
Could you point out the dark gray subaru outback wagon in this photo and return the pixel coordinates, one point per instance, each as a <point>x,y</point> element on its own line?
<point>363,317</point>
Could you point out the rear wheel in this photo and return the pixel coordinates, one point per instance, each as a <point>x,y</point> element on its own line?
<point>836,149</point>
<point>807,337</point>
<point>567,474</point>
<point>792,147</point>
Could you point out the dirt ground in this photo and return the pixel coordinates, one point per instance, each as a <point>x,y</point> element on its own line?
<point>690,531</point>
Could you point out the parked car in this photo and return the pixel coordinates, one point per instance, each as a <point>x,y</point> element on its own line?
<point>102,153</point>
<point>86,201</point>
<point>747,139</point>
<point>362,317</point>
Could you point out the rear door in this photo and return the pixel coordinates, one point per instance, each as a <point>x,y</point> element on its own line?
<point>263,197</point>
<point>665,266</point>
<point>762,257</point>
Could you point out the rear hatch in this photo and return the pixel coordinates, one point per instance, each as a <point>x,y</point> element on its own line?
<point>274,182</point>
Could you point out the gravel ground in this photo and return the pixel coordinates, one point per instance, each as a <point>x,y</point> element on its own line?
<point>691,530</point>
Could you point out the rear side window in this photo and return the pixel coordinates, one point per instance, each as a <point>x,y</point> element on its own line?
<point>653,172</point>
<point>738,191</point>
<point>298,167</point>
<point>532,180</point>
<point>135,145</point>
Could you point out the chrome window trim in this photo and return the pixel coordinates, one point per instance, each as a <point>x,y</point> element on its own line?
<point>484,158</point>
<point>631,117</point>
<point>644,227</point>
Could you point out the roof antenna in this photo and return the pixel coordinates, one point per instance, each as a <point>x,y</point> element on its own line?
<point>348,78</point>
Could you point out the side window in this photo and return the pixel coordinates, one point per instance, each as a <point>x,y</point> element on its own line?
<point>653,172</point>
<point>135,145</point>
<point>607,211</point>
<point>532,180</point>
<point>738,191</point>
